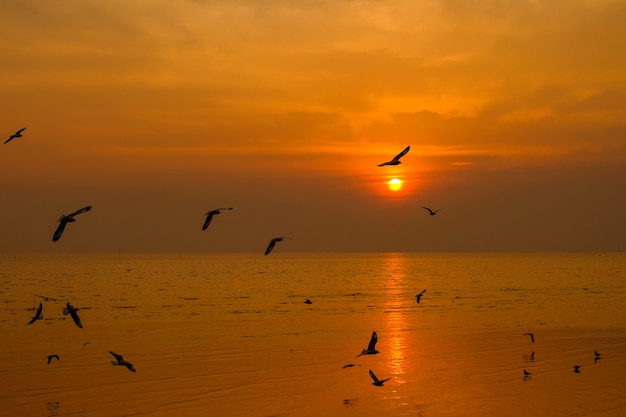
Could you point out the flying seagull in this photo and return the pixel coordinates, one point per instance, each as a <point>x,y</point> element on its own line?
<point>210,214</point>
<point>50,357</point>
<point>597,354</point>
<point>371,348</point>
<point>418,297</point>
<point>119,360</point>
<point>378,382</point>
<point>64,220</point>
<point>38,315</point>
<point>532,336</point>
<point>273,243</point>
<point>431,212</point>
<point>526,374</point>
<point>577,369</point>
<point>17,134</point>
<point>71,310</point>
<point>396,159</point>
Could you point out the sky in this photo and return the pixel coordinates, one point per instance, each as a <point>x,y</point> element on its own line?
<point>155,112</point>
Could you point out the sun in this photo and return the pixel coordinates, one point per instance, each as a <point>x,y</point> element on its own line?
<point>395,184</point>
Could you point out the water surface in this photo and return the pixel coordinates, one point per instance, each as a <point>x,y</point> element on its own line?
<point>231,334</point>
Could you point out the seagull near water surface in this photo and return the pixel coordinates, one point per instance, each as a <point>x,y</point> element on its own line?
<point>396,159</point>
<point>210,214</point>
<point>17,134</point>
<point>72,311</point>
<point>371,347</point>
<point>273,242</point>
<point>64,220</point>
<point>378,382</point>
<point>119,361</point>
<point>38,315</point>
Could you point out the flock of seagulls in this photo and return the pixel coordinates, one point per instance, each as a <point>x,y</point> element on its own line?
<point>528,374</point>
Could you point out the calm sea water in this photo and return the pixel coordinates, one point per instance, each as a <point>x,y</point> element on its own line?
<point>231,335</point>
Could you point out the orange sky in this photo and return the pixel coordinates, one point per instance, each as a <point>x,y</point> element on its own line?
<point>155,112</point>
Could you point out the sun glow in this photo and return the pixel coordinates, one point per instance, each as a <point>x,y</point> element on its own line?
<point>395,184</point>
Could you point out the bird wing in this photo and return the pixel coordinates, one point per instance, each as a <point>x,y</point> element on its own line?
<point>19,132</point>
<point>75,317</point>
<point>270,246</point>
<point>59,232</point>
<point>83,210</point>
<point>373,376</point>
<point>37,314</point>
<point>118,357</point>
<point>426,208</point>
<point>209,217</point>
<point>401,154</point>
<point>9,139</point>
<point>373,340</point>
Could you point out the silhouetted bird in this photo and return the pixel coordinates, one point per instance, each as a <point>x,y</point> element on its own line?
<point>38,315</point>
<point>597,355</point>
<point>577,369</point>
<point>532,336</point>
<point>418,297</point>
<point>72,311</point>
<point>307,301</point>
<point>431,212</point>
<point>349,365</point>
<point>371,348</point>
<point>50,357</point>
<point>17,134</point>
<point>64,220</point>
<point>45,298</point>
<point>210,214</point>
<point>396,159</point>
<point>378,382</point>
<point>119,360</point>
<point>273,243</point>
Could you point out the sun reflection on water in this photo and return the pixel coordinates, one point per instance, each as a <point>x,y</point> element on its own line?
<point>395,314</point>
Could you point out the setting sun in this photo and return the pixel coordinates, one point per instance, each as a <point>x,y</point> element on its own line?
<point>395,184</point>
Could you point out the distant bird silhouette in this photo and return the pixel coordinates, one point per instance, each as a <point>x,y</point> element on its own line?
<point>396,159</point>
<point>597,355</point>
<point>273,243</point>
<point>349,365</point>
<point>532,336</point>
<point>50,357</point>
<point>17,134</point>
<point>45,298</point>
<point>307,301</point>
<point>418,297</point>
<point>577,369</point>
<point>72,311</point>
<point>371,347</point>
<point>38,315</point>
<point>526,375</point>
<point>378,382</point>
<point>431,212</point>
<point>119,360</point>
<point>64,220</point>
<point>210,214</point>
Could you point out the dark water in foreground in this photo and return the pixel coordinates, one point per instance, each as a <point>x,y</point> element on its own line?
<point>230,335</point>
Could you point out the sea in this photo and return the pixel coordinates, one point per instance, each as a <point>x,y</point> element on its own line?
<point>245,335</point>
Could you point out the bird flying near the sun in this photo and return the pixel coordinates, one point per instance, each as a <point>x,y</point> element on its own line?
<point>378,382</point>
<point>273,243</point>
<point>38,315</point>
<point>64,220</point>
<point>119,361</point>
<point>210,214</point>
<point>17,134</point>
<point>72,311</point>
<point>371,347</point>
<point>431,212</point>
<point>396,159</point>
